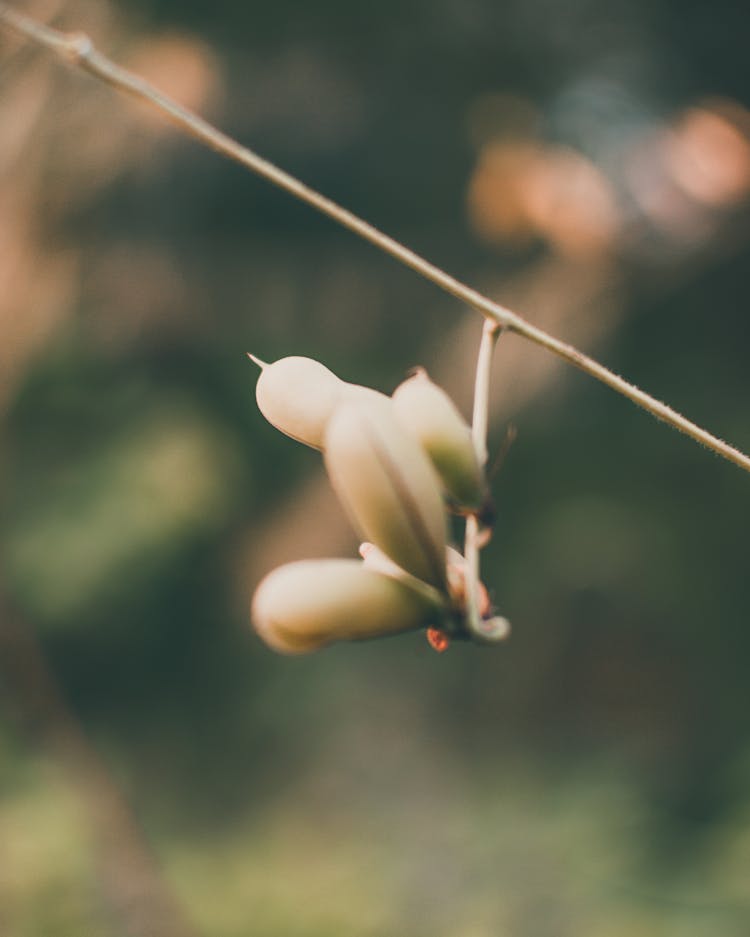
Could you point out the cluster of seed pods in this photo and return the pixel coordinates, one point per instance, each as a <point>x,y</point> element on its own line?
<point>394,462</point>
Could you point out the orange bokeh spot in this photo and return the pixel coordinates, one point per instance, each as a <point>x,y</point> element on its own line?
<point>438,639</point>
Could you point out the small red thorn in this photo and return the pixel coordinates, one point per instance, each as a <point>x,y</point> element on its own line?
<point>438,639</point>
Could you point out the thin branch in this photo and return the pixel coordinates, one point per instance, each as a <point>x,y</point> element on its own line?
<point>497,628</point>
<point>79,50</point>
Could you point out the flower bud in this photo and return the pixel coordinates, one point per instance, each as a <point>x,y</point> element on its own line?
<point>303,606</point>
<point>429,414</point>
<point>297,395</point>
<point>388,486</point>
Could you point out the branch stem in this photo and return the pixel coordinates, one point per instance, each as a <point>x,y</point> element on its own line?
<point>480,414</point>
<point>79,50</point>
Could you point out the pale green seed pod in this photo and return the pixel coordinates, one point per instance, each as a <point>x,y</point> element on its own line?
<point>388,487</point>
<point>429,414</point>
<point>304,606</point>
<point>298,395</point>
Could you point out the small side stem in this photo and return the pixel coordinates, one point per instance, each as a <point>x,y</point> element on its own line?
<point>471,554</point>
<point>490,334</point>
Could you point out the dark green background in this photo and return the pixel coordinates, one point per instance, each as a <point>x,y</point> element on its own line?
<point>589,777</point>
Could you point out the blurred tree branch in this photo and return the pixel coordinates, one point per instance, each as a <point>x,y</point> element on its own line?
<point>78,49</point>
<point>134,890</point>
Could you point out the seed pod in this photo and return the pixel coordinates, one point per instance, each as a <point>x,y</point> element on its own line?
<point>297,395</point>
<point>388,486</point>
<point>429,414</point>
<point>303,606</point>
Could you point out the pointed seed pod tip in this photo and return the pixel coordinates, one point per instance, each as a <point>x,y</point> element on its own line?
<point>298,395</point>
